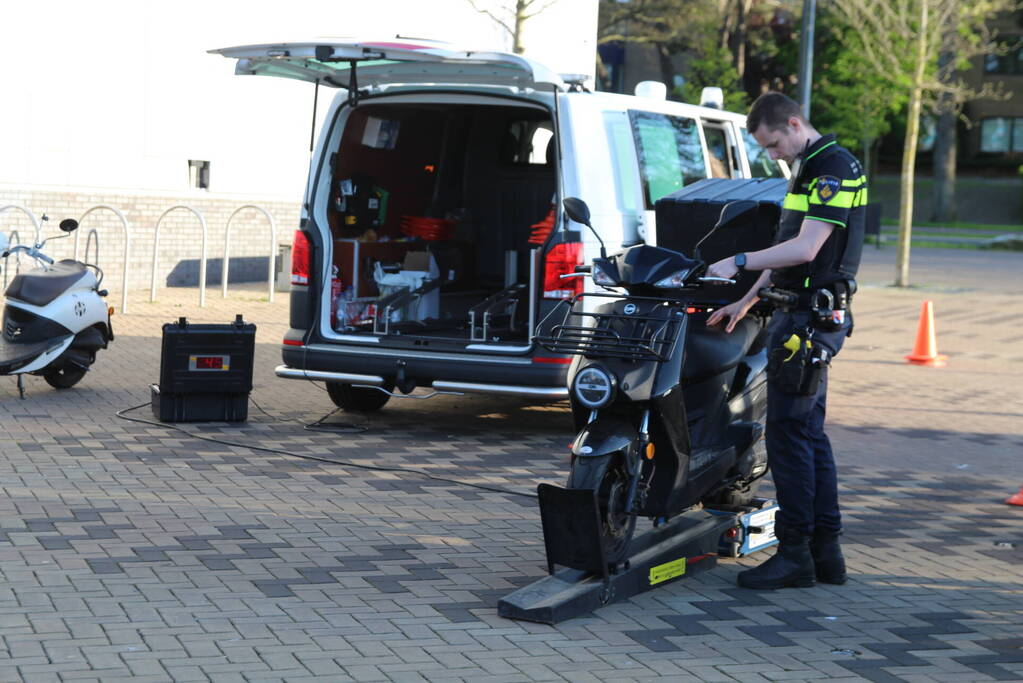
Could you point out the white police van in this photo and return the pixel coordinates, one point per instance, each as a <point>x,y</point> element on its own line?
<point>429,249</point>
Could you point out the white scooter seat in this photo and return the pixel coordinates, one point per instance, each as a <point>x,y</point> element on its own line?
<point>39,287</point>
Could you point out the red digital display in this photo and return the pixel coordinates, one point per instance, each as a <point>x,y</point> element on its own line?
<point>209,362</point>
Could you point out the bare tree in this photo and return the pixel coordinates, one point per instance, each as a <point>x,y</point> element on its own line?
<point>901,41</point>
<point>669,26</point>
<point>512,16</point>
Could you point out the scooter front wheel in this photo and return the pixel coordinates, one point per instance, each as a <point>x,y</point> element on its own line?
<point>607,477</point>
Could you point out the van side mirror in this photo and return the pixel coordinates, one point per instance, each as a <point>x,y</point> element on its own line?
<point>68,225</point>
<point>577,210</point>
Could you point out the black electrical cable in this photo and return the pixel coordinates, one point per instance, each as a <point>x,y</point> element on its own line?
<point>343,463</point>
<point>341,428</point>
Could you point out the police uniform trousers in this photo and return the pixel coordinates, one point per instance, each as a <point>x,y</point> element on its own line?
<point>798,451</point>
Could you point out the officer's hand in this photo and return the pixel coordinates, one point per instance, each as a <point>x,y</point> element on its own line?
<point>724,268</point>
<point>733,313</point>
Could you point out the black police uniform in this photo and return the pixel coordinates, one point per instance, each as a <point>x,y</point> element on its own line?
<point>829,185</point>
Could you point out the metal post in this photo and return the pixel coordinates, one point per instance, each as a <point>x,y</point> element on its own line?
<point>806,55</point>
<point>202,258</point>
<point>127,242</point>
<point>273,248</point>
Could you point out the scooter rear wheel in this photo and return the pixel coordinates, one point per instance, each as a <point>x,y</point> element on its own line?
<point>607,477</point>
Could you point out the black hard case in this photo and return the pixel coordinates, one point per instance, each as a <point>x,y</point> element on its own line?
<point>186,395</point>
<point>684,218</point>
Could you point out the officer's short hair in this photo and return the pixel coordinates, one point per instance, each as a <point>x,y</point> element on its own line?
<point>772,109</point>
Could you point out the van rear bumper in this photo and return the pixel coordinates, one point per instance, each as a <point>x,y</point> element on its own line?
<point>472,373</point>
<point>539,393</point>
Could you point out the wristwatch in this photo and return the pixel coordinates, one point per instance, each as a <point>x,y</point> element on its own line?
<point>740,261</point>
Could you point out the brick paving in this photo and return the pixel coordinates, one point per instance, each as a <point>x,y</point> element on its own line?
<point>132,551</point>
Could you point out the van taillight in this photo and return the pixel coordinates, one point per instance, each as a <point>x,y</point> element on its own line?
<point>300,259</point>
<point>562,260</point>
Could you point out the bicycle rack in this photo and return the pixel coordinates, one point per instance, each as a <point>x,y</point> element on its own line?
<point>31,216</point>
<point>127,231</point>
<point>15,238</point>
<point>273,247</point>
<point>202,258</point>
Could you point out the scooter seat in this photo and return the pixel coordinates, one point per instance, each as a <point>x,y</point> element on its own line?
<point>710,350</point>
<point>39,287</point>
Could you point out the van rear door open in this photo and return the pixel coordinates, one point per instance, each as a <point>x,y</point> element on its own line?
<point>376,63</point>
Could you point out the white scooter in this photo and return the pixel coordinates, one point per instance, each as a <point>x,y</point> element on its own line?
<point>55,319</point>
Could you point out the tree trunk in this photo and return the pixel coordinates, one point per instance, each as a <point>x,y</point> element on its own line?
<point>945,168</point>
<point>520,20</point>
<point>909,154</point>
<point>667,67</point>
<point>945,137</point>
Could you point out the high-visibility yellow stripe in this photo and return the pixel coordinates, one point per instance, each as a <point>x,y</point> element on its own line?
<point>795,202</point>
<point>826,220</point>
<point>855,183</point>
<point>842,199</point>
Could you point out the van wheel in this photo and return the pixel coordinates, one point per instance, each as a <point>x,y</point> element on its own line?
<point>357,399</point>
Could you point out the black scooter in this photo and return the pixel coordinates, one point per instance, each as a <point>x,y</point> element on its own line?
<point>669,412</point>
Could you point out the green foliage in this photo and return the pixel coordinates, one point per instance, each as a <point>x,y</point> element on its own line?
<point>850,98</point>
<point>709,67</point>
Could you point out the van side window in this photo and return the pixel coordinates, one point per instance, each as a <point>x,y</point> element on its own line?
<point>760,163</point>
<point>670,153</point>
<point>527,143</point>
<point>625,169</point>
<point>719,152</point>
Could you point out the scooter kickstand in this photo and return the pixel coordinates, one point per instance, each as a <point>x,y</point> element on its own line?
<point>21,386</point>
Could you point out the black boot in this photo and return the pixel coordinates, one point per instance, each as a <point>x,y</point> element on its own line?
<point>827,557</point>
<point>791,566</point>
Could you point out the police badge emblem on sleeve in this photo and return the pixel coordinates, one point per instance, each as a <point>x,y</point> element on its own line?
<point>827,187</point>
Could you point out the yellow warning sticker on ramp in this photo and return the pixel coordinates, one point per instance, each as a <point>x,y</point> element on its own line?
<point>668,570</point>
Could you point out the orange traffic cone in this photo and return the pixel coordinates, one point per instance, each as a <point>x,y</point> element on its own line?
<point>925,351</point>
<point>1016,498</point>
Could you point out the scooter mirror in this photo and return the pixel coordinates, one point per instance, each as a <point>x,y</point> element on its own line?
<point>68,225</point>
<point>734,212</point>
<point>577,210</point>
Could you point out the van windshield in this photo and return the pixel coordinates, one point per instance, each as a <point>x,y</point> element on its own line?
<point>760,163</point>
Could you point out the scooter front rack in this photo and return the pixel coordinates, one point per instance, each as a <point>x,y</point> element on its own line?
<point>631,336</point>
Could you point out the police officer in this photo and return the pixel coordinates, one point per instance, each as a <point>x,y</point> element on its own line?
<point>813,262</point>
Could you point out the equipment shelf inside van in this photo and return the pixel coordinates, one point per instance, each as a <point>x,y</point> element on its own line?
<point>431,246</point>
<point>430,212</point>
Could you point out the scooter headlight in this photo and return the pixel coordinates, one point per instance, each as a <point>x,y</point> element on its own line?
<point>594,387</point>
<point>602,278</point>
<point>674,281</point>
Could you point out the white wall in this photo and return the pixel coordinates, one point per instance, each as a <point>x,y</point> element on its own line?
<point>119,94</point>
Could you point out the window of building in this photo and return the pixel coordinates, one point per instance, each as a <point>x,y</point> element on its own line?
<point>199,174</point>
<point>670,153</point>
<point>1000,135</point>
<point>1008,60</point>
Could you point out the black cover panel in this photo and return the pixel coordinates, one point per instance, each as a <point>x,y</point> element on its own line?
<point>685,217</point>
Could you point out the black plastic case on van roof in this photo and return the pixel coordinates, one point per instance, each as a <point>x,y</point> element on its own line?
<point>685,216</point>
